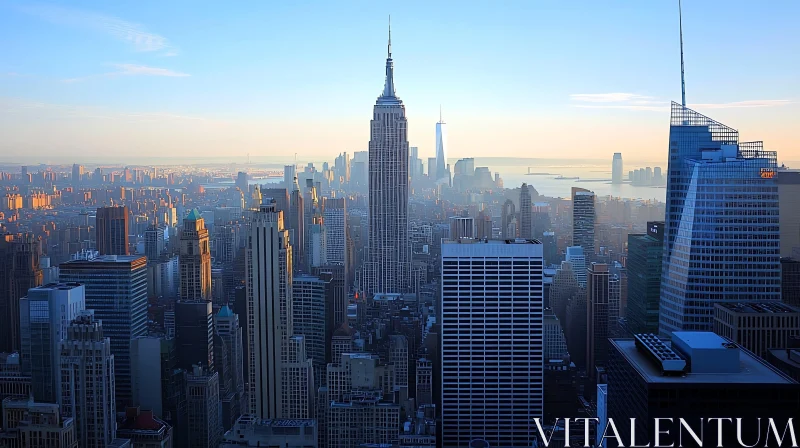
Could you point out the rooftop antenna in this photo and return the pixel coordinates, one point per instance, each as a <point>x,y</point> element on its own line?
<point>683,81</point>
<point>389,49</point>
<point>440,114</point>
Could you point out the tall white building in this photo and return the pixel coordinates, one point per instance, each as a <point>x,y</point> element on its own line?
<point>269,302</point>
<point>87,381</point>
<point>583,219</point>
<point>492,297</point>
<point>388,268</point>
<point>280,373</point>
<point>309,313</point>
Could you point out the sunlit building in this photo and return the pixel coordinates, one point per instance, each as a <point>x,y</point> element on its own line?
<point>722,241</point>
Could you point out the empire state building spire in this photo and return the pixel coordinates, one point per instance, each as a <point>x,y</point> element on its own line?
<point>389,96</point>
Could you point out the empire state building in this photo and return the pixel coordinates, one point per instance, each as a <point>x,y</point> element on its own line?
<point>388,268</point>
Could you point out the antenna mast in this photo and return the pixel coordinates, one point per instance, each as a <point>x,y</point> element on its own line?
<point>683,81</point>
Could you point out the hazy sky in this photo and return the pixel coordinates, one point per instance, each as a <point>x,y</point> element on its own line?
<point>82,80</point>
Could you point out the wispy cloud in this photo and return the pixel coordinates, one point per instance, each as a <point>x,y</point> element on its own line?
<point>617,100</point>
<point>131,70</point>
<point>132,33</point>
<point>635,101</point>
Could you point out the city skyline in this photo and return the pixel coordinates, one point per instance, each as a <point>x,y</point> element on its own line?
<point>244,84</point>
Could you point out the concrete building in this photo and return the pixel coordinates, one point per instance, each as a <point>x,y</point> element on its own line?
<point>19,271</point>
<point>45,315</point>
<point>576,256</point>
<point>87,381</point>
<point>116,290</point>
<point>27,424</point>
<point>250,431</point>
<point>202,398</point>
<point>790,281</point>
<point>555,344</point>
<point>195,259</point>
<point>388,267</point>
<point>13,382</point>
<point>462,227</point>
<point>490,291</point>
<point>309,310</point>
<point>228,339</point>
<point>758,327</point>
<point>335,218</point>
<point>789,210</point>
<point>269,298</point>
<point>696,375</point>
<point>112,231</point>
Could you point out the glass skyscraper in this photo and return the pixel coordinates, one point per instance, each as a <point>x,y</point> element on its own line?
<point>722,238</point>
<point>116,289</point>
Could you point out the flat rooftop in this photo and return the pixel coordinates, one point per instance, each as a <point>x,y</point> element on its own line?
<point>752,370</point>
<point>758,307</point>
<point>488,241</point>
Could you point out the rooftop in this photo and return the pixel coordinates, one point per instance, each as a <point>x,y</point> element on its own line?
<point>194,215</point>
<point>59,286</point>
<point>758,307</point>
<point>488,241</point>
<point>751,369</point>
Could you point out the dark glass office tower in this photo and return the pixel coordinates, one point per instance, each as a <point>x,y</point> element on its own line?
<point>644,278</point>
<point>116,289</point>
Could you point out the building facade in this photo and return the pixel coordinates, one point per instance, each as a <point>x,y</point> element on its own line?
<point>112,231</point>
<point>87,381</point>
<point>645,252</point>
<point>583,220</point>
<point>195,259</point>
<point>490,292</point>
<point>45,316</point>
<point>116,290</point>
<point>706,258</point>
<point>19,271</point>
<point>388,267</point>
<point>757,327</point>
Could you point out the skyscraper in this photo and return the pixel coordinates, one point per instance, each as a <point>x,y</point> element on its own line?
<point>195,259</point>
<point>335,215</point>
<point>602,310</point>
<point>194,334</point>
<point>645,254</point>
<point>296,222</point>
<point>722,240</point>
<point>116,289</point>
<point>45,314</point>
<point>492,387</point>
<point>77,174</point>
<point>388,267</point>
<point>575,255</point>
<point>508,220</point>
<point>309,312</point>
<point>616,168</point>
<point>226,325</point>
<point>112,230</point>
<point>154,242</point>
<point>583,217</point>
<point>241,182</point>
<point>19,271</point>
<point>441,155</point>
<point>525,213</point>
<point>87,381</point>
<point>204,425</point>
<point>269,305</point>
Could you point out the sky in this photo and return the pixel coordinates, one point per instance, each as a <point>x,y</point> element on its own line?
<point>89,81</point>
